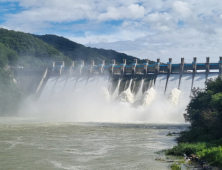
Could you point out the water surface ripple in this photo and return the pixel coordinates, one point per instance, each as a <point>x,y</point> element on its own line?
<point>26,144</point>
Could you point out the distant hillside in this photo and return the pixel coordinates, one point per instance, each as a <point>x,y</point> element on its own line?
<point>7,56</point>
<point>77,51</point>
<point>28,50</point>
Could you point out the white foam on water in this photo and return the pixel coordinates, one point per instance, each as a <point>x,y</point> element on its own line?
<point>59,165</point>
<point>126,96</point>
<point>148,97</point>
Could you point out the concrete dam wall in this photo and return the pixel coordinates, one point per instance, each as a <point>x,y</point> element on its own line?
<point>136,77</point>
<point>129,83</point>
<point>117,92</point>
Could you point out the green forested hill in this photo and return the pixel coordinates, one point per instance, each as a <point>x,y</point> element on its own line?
<point>77,51</point>
<point>7,56</point>
<point>28,50</point>
<point>39,50</point>
<point>10,94</point>
<point>71,49</point>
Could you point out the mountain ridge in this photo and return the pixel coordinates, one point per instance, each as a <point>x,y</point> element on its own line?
<point>78,52</point>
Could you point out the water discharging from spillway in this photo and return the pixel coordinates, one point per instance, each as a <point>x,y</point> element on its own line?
<point>105,99</point>
<point>127,95</point>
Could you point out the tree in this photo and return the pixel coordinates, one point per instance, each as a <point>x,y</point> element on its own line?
<point>204,112</point>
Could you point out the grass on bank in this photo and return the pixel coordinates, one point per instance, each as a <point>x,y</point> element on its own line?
<point>209,151</point>
<point>212,155</point>
<point>175,167</point>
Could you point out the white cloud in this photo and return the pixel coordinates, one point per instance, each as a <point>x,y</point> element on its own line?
<point>182,8</point>
<point>159,21</point>
<point>158,17</point>
<point>187,43</point>
<point>122,35</point>
<point>150,28</point>
<point>133,11</point>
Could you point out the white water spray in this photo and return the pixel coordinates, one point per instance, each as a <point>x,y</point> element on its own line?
<point>174,96</point>
<point>127,95</point>
<point>116,91</point>
<point>105,93</point>
<point>148,97</point>
<point>93,103</point>
<point>140,91</point>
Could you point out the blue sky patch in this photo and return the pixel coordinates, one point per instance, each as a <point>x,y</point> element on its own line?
<point>114,22</point>
<point>180,23</point>
<point>8,8</point>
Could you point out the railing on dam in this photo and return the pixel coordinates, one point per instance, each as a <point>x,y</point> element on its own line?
<point>138,69</point>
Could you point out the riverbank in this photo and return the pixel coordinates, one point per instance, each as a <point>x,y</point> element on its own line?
<point>206,155</point>
<point>203,140</point>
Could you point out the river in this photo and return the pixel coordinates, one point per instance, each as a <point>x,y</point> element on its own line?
<point>28,143</point>
<point>121,131</point>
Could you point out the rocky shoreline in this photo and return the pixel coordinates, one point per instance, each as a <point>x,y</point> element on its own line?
<point>191,161</point>
<point>194,160</point>
<point>200,164</point>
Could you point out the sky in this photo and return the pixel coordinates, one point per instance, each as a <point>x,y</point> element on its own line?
<point>147,29</point>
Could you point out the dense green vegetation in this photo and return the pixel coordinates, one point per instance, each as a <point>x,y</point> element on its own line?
<point>7,56</point>
<point>213,155</point>
<point>36,51</point>
<point>71,49</point>
<point>175,167</point>
<point>210,151</point>
<point>29,51</point>
<point>9,91</point>
<point>204,112</point>
<point>78,52</point>
<point>193,147</point>
<point>10,94</point>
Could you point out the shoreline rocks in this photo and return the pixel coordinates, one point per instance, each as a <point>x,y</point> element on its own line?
<point>201,164</point>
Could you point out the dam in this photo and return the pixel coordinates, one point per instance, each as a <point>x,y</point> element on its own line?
<point>116,92</point>
<point>138,78</point>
